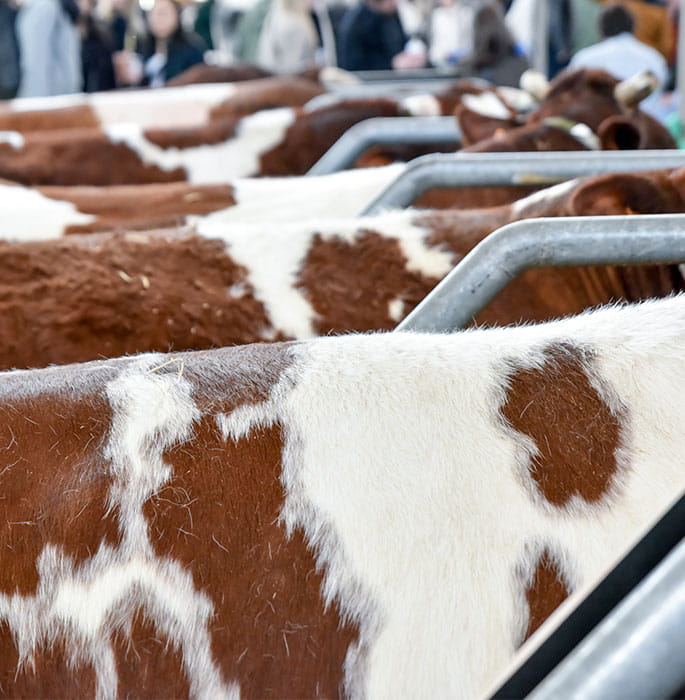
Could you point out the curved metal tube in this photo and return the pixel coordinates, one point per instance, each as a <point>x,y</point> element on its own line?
<point>490,169</point>
<point>637,651</point>
<point>381,131</point>
<point>514,248</point>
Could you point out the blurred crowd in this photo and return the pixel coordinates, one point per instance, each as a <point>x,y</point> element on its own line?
<point>52,47</point>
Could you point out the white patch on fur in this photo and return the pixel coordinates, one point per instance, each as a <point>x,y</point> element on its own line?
<point>274,255</point>
<point>237,156</point>
<point>28,215</point>
<point>12,138</point>
<point>519,100</point>
<point>424,500</point>
<point>152,411</point>
<point>295,198</point>
<point>521,206</point>
<point>421,105</point>
<point>396,309</point>
<point>487,104</point>
<point>160,108</point>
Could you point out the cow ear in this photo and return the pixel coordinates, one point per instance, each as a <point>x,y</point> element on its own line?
<point>618,194</point>
<point>619,134</point>
<point>477,127</point>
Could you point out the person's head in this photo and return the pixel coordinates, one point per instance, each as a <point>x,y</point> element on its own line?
<point>383,7</point>
<point>164,20</point>
<point>491,38</point>
<point>614,20</point>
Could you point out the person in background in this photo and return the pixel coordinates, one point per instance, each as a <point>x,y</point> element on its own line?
<point>372,38</point>
<point>49,48</point>
<point>495,56</point>
<point>288,41</point>
<point>451,31</point>
<point>622,55</point>
<point>96,51</point>
<point>9,51</point>
<point>165,52</point>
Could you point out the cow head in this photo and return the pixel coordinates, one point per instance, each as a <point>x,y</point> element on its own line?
<point>660,192</point>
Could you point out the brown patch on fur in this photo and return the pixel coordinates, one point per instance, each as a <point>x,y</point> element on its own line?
<point>313,133</point>
<point>147,665</point>
<point>470,197</point>
<point>85,297</point>
<point>49,677</point>
<point>377,156</point>
<point>219,516</point>
<point>268,93</point>
<point>204,73</point>
<point>545,593</point>
<point>351,284</point>
<point>576,433</point>
<point>193,136</point>
<point>134,207</point>
<point>78,117</point>
<point>78,157</point>
<point>63,504</point>
<point>531,137</point>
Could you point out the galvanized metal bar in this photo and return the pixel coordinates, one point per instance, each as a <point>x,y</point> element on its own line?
<point>680,69</point>
<point>382,131</point>
<point>495,169</point>
<point>512,249</point>
<point>637,652</point>
<point>540,57</point>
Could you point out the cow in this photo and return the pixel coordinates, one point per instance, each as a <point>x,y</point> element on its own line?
<point>183,106</point>
<point>84,297</point>
<point>582,109</point>
<point>381,515</point>
<point>52,212</point>
<point>272,142</point>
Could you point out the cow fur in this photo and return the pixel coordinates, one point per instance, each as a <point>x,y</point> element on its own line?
<point>376,516</point>
<point>91,296</point>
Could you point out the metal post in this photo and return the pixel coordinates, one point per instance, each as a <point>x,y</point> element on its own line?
<point>540,56</point>
<point>497,169</point>
<point>512,249</point>
<point>637,652</point>
<point>680,70</point>
<point>382,131</point>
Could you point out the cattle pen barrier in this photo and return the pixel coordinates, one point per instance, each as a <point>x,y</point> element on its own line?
<point>507,169</point>
<point>626,637</point>
<point>576,240</point>
<point>381,131</point>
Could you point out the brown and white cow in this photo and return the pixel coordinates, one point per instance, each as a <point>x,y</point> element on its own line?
<point>272,142</point>
<point>52,212</point>
<point>85,297</point>
<point>583,109</point>
<point>381,516</point>
<point>190,105</point>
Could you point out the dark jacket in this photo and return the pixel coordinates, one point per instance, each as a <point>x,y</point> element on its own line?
<point>182,53</point>
<point>96,56</point>
<point>9,52</point>
<point>369,40</point>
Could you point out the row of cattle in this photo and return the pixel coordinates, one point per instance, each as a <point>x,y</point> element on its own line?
<point>383,515</point>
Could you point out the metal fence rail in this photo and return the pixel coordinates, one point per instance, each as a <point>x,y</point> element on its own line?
<point>512,249</point>
<point>495,169</point>
<point>637,652</point>
<point>385,131</point>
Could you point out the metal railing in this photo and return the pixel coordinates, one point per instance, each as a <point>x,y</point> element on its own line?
<point>514,248</point>
<point>498,169</point>
<point>385,131</point>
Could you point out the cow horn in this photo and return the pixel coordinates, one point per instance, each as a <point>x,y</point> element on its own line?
<point>633,90</point>
<point>535,84</point>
